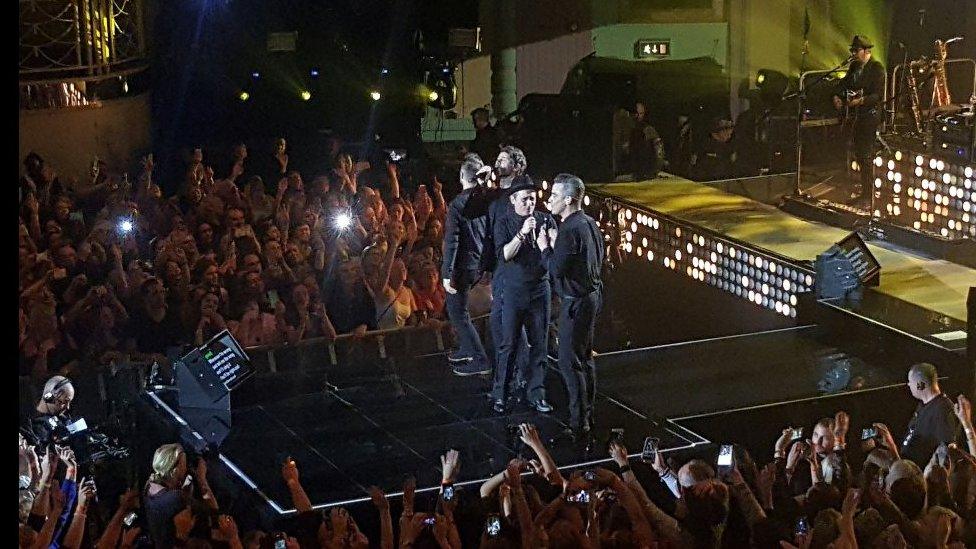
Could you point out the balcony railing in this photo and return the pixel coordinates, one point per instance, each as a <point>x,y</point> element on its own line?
<point>69,48</point>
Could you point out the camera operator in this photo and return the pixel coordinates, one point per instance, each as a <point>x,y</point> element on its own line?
<point>50,419</point>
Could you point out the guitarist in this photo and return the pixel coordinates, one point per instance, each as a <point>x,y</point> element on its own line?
<point>860,93</point>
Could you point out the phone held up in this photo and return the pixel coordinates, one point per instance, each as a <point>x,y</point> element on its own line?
<point>493,526</point>
<point>649,452</point>
<point>724,461</point>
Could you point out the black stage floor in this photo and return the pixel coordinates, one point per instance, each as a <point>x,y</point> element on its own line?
<point>379,430</point>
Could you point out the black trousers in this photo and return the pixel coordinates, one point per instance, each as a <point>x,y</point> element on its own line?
<point>495,326</point>
<point>577,321</point>
<point>469,344</point>
<point>528,309</point>
<point>863,145</point>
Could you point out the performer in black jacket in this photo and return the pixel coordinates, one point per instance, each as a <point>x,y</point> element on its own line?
<point>862,91</point>
<point>526,302</point>
<point>574,255</point>
<point>466,239</point>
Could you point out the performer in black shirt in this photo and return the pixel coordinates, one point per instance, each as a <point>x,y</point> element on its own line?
<point>862,92</point>
<point>465,239</point>
<point>934,421</point>
<point>527,296</point>
<point>574,256</point>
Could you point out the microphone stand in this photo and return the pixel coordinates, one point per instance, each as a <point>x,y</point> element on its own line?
<point>800,95</point>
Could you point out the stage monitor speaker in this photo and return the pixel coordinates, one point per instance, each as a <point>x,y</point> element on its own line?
<point>845,268</point>
<point>205,377</point>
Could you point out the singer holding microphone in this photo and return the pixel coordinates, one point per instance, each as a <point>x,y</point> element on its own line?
<point>861,92</point>
<point>527,294</point>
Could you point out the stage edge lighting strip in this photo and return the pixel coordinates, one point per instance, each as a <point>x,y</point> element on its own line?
<point>927,193</point>
<point>763,278</point>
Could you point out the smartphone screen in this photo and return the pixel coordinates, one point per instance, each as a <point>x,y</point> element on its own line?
<point>77,426</point>
<point>797,434</point>
<point>725,456</point>
<point>130,519</point>
<point>801,526</point>
<point>429,521</point>
<point>868,432</point>
<point>649,453</point>
<point>590,476</point>
<point>447,492</point>
<point>273,298</point>
<point>493,526</point>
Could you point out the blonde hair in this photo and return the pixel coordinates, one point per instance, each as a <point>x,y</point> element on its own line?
<point>165,461</point>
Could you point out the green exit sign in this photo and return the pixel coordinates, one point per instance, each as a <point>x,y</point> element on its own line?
<point>649,48</point>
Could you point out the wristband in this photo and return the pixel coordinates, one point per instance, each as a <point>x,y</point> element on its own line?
<point>624,468</point>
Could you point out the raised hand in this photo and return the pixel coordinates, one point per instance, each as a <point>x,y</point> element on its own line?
<point>618,453</point>
<point>450,465</point>
<point>448,287</point>
<point>378,498</point>
<point>964,410</point>
<point>289,471</point>
<point>842,422</point>
<point>530,435</point>
<point>783,441</point>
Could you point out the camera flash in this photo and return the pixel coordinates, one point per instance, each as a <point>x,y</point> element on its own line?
<point>125,225</point>
<point>342,221</point>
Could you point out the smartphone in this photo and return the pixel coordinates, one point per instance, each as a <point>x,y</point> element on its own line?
<point>942,454</point>
<point>396,155</point>
<point>649,452</point>
<point>802,527</point>
<point>429,521</point>
<point>725,457</point>
<point>797,434</point>
<point>447,492</point>
<point>273,298</point>
<point>493,526</point>
<point>590,475</point>
<point>868,432</point>
<point>130,519</point>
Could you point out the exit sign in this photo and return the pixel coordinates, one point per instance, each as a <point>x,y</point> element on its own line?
<point>648,48</point>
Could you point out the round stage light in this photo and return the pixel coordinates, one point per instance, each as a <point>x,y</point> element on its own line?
<point>243,96</point>
<point>306,95</point>
<point>878,161</point>
<point>919,160</point>
<point>375,95</point>
<point>898,156</point>
<point>432,96</point>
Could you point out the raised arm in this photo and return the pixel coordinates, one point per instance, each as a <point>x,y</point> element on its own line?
<point>76,531</point>
<point>386,521</point>
<point>110,537</point>
<point>530,436</point>
<point>964,412</point>
<point>289,471</point>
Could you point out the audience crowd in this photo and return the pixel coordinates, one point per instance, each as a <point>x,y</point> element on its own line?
<point>812,494</point>
<point>118,270</point>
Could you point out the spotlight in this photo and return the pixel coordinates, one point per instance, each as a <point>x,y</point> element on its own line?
<point>243,96</point>
<point>313,73</point>
<point>384,71</point>
<point>375,95</point>
<point>306,95</point>
<point>761,78</point>
<point>432,96</point>
<point>255,75</point>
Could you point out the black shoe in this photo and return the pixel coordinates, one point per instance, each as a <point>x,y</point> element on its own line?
<point>471,368</point>
<point>498,406</point>
<point>541,406</point>
<point>456,356</point>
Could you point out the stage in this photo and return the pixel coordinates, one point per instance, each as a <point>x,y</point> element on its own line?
<point>710,333</point>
